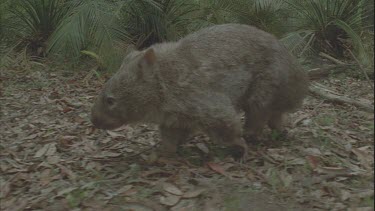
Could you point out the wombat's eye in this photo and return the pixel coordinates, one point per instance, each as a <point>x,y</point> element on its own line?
<point>110,101</point>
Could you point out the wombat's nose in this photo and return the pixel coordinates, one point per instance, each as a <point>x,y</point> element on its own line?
<point>93,119</point>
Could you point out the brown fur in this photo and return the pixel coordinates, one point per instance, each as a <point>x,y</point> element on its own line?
<point>204,81</point>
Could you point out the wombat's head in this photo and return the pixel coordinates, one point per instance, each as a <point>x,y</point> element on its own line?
<point>125,95</point>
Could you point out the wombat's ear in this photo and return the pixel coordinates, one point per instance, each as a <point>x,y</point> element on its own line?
<point>130,48</point>
<point>149,57</point>
<point>145,64</point>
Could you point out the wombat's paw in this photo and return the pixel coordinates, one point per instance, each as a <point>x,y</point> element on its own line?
<point>239,153</point>
<point>279,135</point>
<point>160,153</point>
<point>153,157</point>
<point>251,138</point>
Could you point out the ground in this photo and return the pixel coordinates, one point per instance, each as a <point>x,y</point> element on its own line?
<point>53,159</point>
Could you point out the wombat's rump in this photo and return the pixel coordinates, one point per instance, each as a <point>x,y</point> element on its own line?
<point>204,81</point>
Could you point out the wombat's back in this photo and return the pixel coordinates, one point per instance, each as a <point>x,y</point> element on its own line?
<point>234,59</point>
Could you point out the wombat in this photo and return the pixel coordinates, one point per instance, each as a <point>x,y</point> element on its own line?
<point>204,81</point>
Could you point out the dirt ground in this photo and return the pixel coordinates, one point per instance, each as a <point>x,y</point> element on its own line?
<point>51,158</point>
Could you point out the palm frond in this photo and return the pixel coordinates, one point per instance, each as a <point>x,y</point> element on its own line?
<point>89,26</point>
<point>331,21</point>
<point>151,21</point>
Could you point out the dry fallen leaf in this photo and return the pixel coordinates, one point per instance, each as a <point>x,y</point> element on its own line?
<point>361,209</point>
<point>170,199</point>
<point>185,205</point>
<point>203,147</point>
<point>51,149</point>
<point>313,151</point>
<point>106,154</point>
<point>194,193</point>
<point>124,189</point>
<point>345,195</point>
<point>170,188</point>
<point>364,156</point>
<point>217,168</point>
<point>114,134</point>
<point>333,171</point>
<point>313,161</point>
<point>53,159</point>
<point>48,148</point>
<point>286,178</point>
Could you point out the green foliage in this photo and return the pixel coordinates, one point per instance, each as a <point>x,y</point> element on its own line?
<point>326,25</point>
<point>153,21</point>
<point>268,15</point>
<point>75,197</point>
<point>66,28</point>
<point>35,20</point>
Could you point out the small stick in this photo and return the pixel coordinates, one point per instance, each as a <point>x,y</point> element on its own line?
<point>362,68</point>
<point>331,58</point>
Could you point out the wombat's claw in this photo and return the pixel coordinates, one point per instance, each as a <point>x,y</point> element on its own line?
<point>284,134</point>
<point>243,158</point>
<point>250,138</point>
<point>239,153</point>
<point>280,135</point>
<point>153,157</point>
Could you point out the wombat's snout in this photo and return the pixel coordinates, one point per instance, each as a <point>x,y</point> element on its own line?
<point>94,120</point>
<point>103,121</point>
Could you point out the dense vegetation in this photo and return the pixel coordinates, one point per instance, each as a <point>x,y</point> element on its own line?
<point>104,28</point>
<point>51,157</point>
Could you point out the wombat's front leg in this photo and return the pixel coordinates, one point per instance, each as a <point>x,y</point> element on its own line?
<point>276,121</point>
<point>276,124</point>
<point>171,138</point>
<point>255,121</point>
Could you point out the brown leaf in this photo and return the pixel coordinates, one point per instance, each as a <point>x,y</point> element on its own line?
<point>313,161</point>
<point>5,189</point>
<point>124,189</point>
<point>66,109</point>
<point>170,188</point>
<point>194,193</point>
<point>114,134</point>
<point>185,205</point>
<point>32,136</point>
<point>337,171</point>
<point>286,178</point>
<point>106,154</point>
<point>313,151</point>
<point>51,149</point>
<point>345,195</point>
<point>203,147</point>
<point>217,168</point>
<point>170,199</point>
<point>65,191</point>
<point>53,159</point>
<point>364,156</point>
<point>42,151</point>
<point>361,209</point>
<point>67,172</point>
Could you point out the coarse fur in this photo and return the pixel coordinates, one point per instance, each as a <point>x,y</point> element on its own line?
<point>204,81</point>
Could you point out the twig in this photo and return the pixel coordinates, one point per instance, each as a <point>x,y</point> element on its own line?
<point>362,68</point>
<point>340,99</point>
<point>318,73</point>
<point>331,58</point>
<point>142,151</point>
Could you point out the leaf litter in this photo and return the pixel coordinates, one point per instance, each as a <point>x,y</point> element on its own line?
<point>51,158</point>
